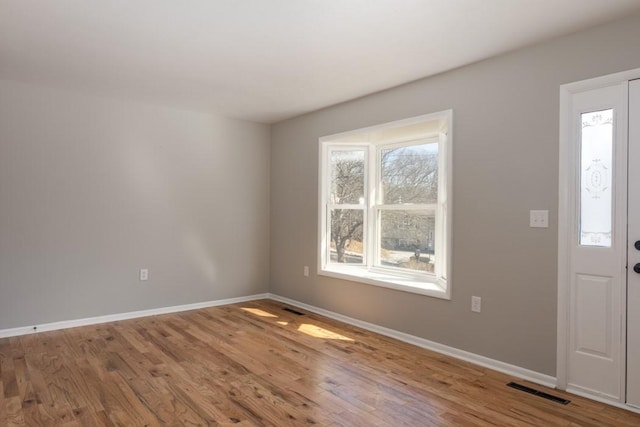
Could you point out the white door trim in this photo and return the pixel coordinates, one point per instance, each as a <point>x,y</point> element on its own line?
<point>566,205</point>
<point>633,256</point>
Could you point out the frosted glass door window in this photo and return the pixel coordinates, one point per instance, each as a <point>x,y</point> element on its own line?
<point>596,178</point>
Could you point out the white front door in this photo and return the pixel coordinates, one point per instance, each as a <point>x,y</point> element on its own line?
<point>596,242</point>
<point>633,256</point>
<point>599,238</point>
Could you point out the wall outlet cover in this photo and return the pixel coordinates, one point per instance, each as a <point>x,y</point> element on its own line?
<point>539,218</point>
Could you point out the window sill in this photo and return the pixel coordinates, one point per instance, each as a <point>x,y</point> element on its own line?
<point>385,280</point>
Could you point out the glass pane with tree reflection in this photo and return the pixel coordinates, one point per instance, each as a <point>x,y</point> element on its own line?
<point>347,177</point>
<point>407,239</point>
<point>346,236</point>
<point>410,174</point>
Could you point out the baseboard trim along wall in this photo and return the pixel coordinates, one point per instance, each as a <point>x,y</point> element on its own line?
<point>516,371</point>
<point>579,392</point>
<point>5,333</point>
<point>496,365</point>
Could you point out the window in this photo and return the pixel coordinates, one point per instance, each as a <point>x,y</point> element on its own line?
<point>596,208</point>
<point>385,205</point>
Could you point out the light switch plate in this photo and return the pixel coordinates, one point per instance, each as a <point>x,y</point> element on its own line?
<point>476,304</point>
<point>539,219</point>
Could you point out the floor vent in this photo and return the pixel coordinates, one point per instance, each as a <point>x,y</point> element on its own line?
<point>538,393</point>
<point>291,310</point>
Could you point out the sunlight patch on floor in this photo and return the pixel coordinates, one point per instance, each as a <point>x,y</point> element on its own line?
<point>318,332</point>
<point>305,328</point>
<point>258,312</point>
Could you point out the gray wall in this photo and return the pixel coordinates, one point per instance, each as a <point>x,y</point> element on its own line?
<point>92,190</point>
<point>505,163</point>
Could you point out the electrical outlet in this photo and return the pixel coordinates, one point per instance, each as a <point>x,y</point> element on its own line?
<point>305,271</point>
<point>476,304</point>
<point>144,274</point>
<point>539,219</point>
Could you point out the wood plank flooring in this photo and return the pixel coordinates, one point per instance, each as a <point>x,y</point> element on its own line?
<point>255,364</point>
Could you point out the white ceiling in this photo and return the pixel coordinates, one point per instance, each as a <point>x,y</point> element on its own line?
<point>268,60</point>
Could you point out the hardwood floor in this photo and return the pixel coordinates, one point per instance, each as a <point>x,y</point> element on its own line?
<point>257,364</point>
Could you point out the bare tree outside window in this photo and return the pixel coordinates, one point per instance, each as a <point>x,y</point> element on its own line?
<point>409,176</point>
<point>346,234</point>
<point>385,204</point>
<point>347,188</point>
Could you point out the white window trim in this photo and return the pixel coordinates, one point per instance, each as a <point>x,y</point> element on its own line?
<point>389,277</point>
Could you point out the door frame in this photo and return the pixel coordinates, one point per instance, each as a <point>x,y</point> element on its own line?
<point>566,222</point>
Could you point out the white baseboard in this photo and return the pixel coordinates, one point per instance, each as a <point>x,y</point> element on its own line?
<point>506,368</point>
<point>496,365</point>
<point>486,362</point>
<point>602,399</point>
<point>4,333</point>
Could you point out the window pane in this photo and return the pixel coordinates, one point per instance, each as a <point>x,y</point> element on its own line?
<point>596,179</point>
<point>346,236</point>
<point>410,174</point>
<point>407,239</point>
<point>347,177</point>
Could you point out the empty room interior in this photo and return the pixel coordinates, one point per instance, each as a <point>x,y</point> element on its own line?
<point>336,213</point>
